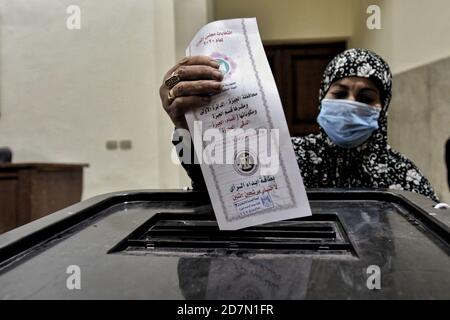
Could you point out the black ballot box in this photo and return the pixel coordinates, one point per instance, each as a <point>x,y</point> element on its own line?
<point>165,244</point>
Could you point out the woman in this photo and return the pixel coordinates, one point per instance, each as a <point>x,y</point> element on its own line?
<point>351,150</point>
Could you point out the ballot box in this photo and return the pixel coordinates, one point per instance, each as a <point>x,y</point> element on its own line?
<point>165,244</point>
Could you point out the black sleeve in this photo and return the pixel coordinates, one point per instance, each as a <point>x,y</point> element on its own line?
<point>195,173</point>
<point>447,160</point>
<point>190,165</point>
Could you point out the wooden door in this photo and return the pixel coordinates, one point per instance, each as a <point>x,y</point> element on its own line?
<point>298,70</point>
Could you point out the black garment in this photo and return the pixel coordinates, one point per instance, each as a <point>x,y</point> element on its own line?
<point>5,155</point>
<point>374,164</point>
<point>447,160</point>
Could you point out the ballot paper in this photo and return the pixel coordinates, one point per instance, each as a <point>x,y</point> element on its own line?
<point>241,138</point>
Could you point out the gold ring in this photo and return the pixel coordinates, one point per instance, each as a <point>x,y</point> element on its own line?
<point>172,80</point>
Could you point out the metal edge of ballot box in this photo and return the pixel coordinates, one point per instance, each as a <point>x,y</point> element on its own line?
<point>143,236</point>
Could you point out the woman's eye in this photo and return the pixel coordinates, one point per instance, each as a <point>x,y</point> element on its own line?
<point>340,94</point>
<point>366,99</point>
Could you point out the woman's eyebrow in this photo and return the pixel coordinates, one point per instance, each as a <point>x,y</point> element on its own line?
<point>369,89</point>
<point>341,86</point>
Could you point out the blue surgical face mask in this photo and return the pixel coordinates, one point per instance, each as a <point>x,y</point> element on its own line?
<point>348,123</point>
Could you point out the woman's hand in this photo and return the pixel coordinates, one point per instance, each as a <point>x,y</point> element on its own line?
<point>196,79</point>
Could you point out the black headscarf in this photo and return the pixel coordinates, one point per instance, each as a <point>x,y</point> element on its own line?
<point>374,164</point>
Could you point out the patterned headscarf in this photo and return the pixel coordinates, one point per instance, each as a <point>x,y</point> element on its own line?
<point>374,164</point>
<point>365,64</point>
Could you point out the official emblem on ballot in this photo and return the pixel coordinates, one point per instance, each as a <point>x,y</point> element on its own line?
<point>245,150</point>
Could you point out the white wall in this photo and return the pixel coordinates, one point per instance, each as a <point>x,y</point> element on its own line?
<point>64,93</point>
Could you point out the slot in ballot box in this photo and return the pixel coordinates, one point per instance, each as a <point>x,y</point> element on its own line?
<point>165,244</point>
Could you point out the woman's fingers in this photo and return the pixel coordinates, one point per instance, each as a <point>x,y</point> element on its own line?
<point>193,61</point>
<point>199,72</point>
<point>181,105</point>
<point>189,88</point>
<point>199,60</point>
<point>198,77</point>
<point>198,87</point>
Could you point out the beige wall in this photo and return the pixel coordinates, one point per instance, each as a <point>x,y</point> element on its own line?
<point>291,20</point>
<point>380,41</point>
<point>421,32</point>
<point>413,33</point>
<point>419,120</point>
<point>64,93</point>
<point>190,16</point>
